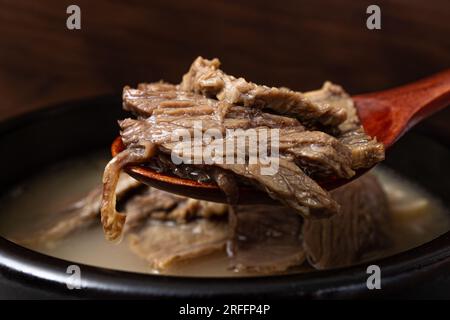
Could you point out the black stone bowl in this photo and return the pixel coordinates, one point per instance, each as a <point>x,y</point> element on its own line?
<point>40,139</point>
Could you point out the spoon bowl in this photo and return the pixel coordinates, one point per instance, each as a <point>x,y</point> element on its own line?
<point>386,115</point>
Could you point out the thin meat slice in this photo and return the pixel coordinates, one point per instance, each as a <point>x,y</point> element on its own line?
<point>148,97</point>
<point>79,215</point>
<point>266,239</point>
<point>112,220</point>
<point>149,204</point>
<point>159,86</point>
<point>365,150</point>
<point>164,206</point>
<point>290,186</point>
<point>162,244</point>
<point>359,229</point>
<point>176,103</point>
<point>316,152</point>
<point>320,137</point>
<point>205,77</point>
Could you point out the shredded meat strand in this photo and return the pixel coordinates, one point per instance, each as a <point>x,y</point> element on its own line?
<point>112,220</point>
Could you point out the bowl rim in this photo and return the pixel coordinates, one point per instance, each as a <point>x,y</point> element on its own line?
<point>39,270</point>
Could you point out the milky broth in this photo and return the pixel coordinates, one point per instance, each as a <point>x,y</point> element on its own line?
<point>418,217</point>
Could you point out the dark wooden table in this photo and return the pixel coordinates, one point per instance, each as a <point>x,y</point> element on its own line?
<point>289,42</point>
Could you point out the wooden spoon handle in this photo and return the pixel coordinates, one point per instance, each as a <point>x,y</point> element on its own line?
<point>388,114</point>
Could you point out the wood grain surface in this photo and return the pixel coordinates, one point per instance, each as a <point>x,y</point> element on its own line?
<point>291,43</point>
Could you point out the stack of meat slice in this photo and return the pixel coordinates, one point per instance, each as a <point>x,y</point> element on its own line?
<point>320,137</point>
<point>165,229</point>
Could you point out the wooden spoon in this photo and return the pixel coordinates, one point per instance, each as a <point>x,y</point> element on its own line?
<point>386,115</point>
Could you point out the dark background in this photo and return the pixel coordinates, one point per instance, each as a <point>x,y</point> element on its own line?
<point>297,44</point>
<point>292,43</point>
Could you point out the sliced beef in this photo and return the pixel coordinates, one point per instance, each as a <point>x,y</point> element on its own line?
<point>112,220</point>
<point>163,206</point>
<point>291,187</point>
<point>316,152</point>
<point>161,228</point>
<point>185,107</point>
<point>366,151</point>
<point>320,138</point>
<point>266,239</point>
<point>80,214</point>
<point>359,229</point>
<point>164,228</point>
<point>148,97</point>
<point>163,243</point>
<point>151,203</point>
<point>206,78</point>
<point>334,96</point>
